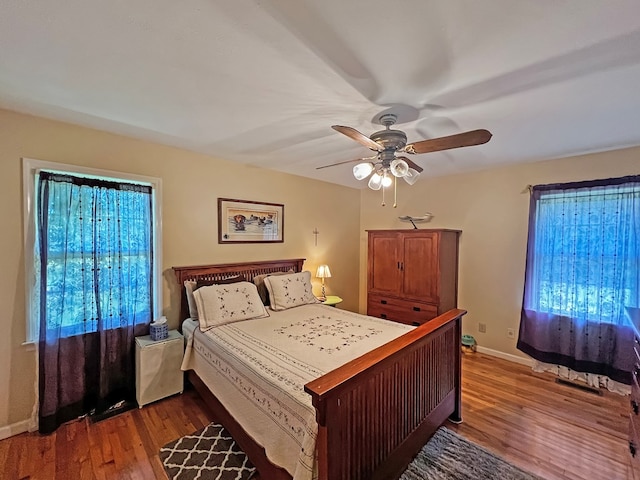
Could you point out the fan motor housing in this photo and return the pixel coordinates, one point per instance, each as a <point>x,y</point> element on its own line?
<point>390,139</point>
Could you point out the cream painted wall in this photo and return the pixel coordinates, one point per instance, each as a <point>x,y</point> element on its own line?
<point>491,208</point>
<point>191,185</point>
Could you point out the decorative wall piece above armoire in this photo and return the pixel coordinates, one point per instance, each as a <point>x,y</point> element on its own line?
<point>412,275</point>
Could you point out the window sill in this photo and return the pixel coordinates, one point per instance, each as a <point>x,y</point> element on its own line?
<point>30,346</point>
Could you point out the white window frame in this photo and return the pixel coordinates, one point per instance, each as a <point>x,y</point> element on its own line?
<point>30,167</point>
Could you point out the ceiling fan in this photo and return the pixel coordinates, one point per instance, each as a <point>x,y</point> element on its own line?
<point>386,164</point>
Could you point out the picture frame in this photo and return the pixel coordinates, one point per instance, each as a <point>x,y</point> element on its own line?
<point>246,221</point>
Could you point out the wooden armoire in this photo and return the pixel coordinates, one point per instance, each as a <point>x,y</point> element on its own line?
<point>412,275</point>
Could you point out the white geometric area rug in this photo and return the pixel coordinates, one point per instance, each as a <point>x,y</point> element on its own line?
<point>208,454</point>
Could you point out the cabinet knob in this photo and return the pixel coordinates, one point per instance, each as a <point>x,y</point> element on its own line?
<point>384,302</point>
<point>383,315</point>
<point>416,309</point>
<point>634,406</point>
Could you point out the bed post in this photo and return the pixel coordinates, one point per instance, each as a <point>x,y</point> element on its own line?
<point>456,416</point>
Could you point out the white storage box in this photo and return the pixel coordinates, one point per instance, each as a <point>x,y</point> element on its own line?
<point>158,373</point>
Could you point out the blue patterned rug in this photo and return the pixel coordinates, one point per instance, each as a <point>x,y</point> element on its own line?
<point>448,456</point>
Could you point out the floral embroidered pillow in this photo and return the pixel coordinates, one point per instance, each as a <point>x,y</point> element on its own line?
<point>262,288</point>
<point>191,286</point>
<point>222,304</point>
<point>288,291</point>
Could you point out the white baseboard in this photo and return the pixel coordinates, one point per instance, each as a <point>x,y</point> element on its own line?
<point>16,428</point>
<point>505,356</point>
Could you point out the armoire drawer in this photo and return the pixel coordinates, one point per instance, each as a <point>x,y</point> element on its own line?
<point>398,310</point>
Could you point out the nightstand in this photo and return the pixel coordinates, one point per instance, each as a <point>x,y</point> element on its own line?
<point>158,373</point>
<point>332,300</point>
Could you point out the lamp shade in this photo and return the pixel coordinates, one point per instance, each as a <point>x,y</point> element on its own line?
<point>399,168</point>
<point>323,271</point>
<point>375,182</point>
<point>362,170</point>
<point>412,176</point>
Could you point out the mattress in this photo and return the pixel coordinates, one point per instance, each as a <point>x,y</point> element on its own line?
<point>258,369</point>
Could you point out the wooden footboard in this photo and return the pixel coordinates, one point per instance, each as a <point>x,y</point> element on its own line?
<point>376,412</point>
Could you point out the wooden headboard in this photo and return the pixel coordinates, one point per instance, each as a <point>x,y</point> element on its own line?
<point>223,270</point>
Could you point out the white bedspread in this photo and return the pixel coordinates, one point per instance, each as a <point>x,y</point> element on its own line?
<point>258,369</point>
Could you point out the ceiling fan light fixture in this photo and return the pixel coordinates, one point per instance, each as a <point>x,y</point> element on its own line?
<point>387,181</point>
<point>412,176</point>
<point>384,167</point>
<point>375,182</point>
<point>399,168</point>
<point>362,170</point>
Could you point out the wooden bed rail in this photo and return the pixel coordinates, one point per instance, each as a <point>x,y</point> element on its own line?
<point>376,412</point>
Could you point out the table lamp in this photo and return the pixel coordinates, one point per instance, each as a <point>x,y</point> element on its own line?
<point>322,273</point>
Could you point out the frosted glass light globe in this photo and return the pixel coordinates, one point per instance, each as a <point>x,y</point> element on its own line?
<point>412,176</point>
<point>375,182</point>
<point>362,170</point>
<point>399,168</point>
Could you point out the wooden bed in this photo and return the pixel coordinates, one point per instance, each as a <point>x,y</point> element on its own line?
<point>375,412</point>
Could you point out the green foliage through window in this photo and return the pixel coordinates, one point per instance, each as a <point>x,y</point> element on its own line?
<point>95,254</point>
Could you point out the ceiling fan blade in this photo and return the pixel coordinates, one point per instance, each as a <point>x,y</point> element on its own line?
<point>358,137</point>
<point>467,139</point>
<point>366,159</point>
<point>412,164</point>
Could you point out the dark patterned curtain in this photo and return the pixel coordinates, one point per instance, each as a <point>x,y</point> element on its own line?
<point>583,269</point>
<point>94,239</point>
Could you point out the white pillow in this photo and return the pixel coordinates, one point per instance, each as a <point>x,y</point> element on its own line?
<point>262,288</point>
<point>189,286</point>
<point>221,304</point>
<point>289,291</point>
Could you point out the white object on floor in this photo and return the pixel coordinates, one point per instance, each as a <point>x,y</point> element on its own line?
<point>158,373</point>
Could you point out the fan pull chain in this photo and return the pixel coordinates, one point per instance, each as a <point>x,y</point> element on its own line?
<point>395,192</point>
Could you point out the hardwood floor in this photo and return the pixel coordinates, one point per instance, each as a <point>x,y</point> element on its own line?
<point>122,447</point>
<point>555,431</point>
<point>552,430</point>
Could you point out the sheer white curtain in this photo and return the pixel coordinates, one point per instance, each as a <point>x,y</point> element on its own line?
<point>583,269</point>
<point>94,249</point>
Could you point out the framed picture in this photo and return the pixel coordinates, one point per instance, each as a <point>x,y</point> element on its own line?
<point>244,221</point>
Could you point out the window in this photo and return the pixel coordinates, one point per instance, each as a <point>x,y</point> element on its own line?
<point>101,229</point>
<point>582,270</point>
<point>586,252</point>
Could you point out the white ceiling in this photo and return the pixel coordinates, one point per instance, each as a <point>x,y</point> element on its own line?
<point>262,81</point>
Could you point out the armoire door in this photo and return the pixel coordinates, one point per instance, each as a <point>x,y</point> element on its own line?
<point>384,273</point>
<point>419,266</point>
